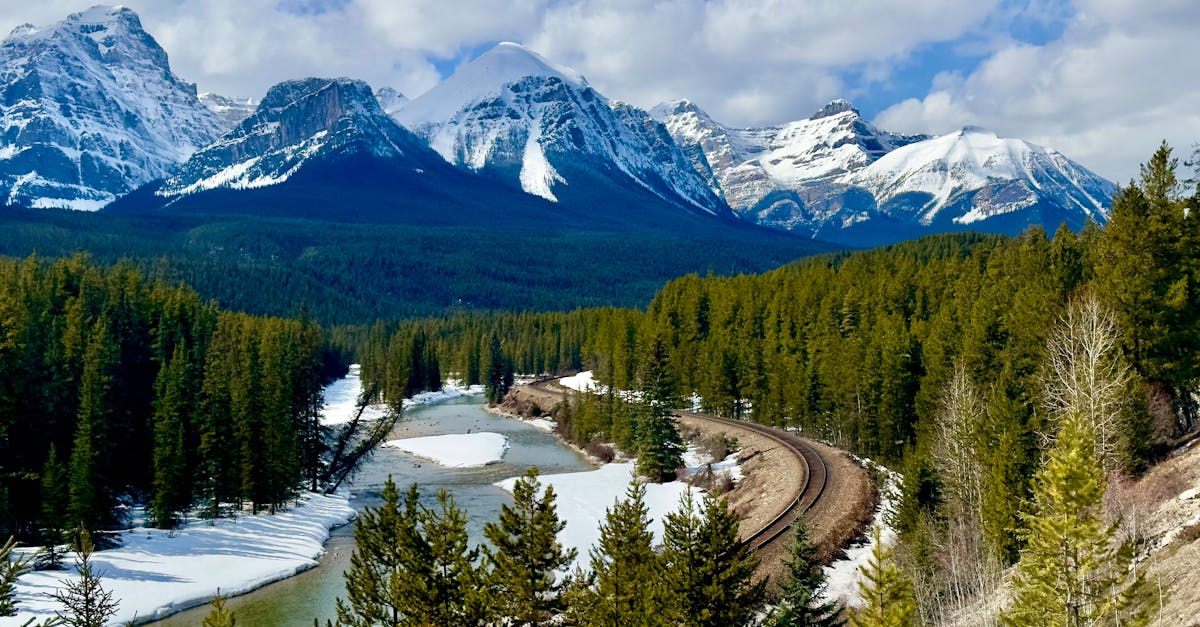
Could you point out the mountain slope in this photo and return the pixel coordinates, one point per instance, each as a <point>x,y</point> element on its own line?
<point>90,110</point>
<point>978,176</point>
<point>231,111</point>
<point>836,177</point>
<point>515,116</point>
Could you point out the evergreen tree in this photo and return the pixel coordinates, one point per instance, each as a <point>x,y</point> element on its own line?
<point>494,375</point>
<point>525,555</point>
<point>85,601</point>
<point>886,592</point>
<point>219,616</point>
<point>172,490</point>
<point>53,519</point>
<point>799,603</point>
<point>10,569</point>
<point>390,569</point>
<point>453,587</point>
<point>626,569</point>
<point>659,446</point>
<point>90,495</point>
<point>708,569</point>
<point>1072,571</point>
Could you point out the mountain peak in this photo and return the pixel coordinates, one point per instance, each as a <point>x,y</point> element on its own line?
<point>681,106</point>
<point>835,107</point>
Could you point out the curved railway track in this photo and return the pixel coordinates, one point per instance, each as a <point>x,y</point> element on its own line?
<point>808,493</point>
<point>816,474</point>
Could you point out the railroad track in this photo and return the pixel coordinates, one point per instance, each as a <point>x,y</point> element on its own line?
<point>815,477</point>
<point>808,494</point>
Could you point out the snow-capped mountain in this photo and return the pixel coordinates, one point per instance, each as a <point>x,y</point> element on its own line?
<point>391,100</point>
<point>89,110</point>
<point>770,175</point>
<point>299,122</point>
<point>513,114</point>
<point>838,177</point>
<point>980,176</point>
<point>231,111</point>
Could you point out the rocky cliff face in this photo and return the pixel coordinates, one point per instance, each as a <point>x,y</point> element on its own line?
<point>515,115</point>
<point>89,110</point>
<point>296,123</point>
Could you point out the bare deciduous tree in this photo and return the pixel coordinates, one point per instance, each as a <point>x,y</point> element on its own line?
<point>1087,375</point>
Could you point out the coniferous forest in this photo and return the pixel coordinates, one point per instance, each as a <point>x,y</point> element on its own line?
<point>117,389</point>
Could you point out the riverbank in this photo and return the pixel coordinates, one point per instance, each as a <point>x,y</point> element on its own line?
<point>155,573</point>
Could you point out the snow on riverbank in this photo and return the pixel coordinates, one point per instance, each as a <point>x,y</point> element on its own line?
<point>583,497</point>
<point>843,574</point>
<point>341,398</point>
<point>156,573</point>
<point>456,450</point>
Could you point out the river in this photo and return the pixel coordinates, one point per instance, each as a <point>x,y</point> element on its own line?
<point>296,601</point>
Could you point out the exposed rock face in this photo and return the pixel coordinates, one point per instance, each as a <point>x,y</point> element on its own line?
<point>297,122</point>
<point>231,111</point>
<point>89,110</point>
<point>835,176</point>
<point>512,113</point>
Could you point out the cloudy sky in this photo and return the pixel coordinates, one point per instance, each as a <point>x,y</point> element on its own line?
<point>1104,81</point>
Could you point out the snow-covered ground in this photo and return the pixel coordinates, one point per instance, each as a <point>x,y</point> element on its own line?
<point>456,450</point>
<point>582,382</point>
<point>156,572</point>
<point>341,398</point>
<point>696,462</point>
<point>843,575</point>
<point>583,498</point>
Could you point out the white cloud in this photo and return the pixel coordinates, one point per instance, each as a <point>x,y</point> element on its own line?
<point>1120,80</point>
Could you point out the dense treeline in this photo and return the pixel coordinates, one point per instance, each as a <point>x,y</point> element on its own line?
<point>348,273</point>
<point>113,387</point>
<point>413,564</point>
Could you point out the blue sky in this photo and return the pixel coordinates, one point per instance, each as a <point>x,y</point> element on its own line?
<point>1103,81</point>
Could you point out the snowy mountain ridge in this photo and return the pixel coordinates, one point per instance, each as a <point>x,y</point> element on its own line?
<point>835,171</point>
<point>91,110</point>
<point>231,111</point>
<point>296,122</point>
<point>513,113</point>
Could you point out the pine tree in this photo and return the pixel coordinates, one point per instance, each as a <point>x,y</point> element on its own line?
<point>390,568</point>
<point>525,556</point>
<point>659,446</point>
<point>1072,571</point>
<point>799,603</point>
<point>887,594</point>
<point>453,587</point>
<point>10,569</point>
<point>219,616</point>
<point>626,568</point>
<point>86,603</point>
<point>709,570</point>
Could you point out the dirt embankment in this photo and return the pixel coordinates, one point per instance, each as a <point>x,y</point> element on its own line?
<point>773,476</point>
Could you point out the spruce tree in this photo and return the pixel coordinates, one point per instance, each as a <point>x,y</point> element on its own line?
<point>799,603</point>
<point>659,447</point>
<point>626,568</point>
<point>85,601</point>
<point>525,556</point>
<point>89,492</point>
<point>10,569</point>
<point>172,491</point>
<point>886,593</point>
<point>219,616</point>
<point>53,519</point>
<point>1072,571</point>
<point>709,570</point>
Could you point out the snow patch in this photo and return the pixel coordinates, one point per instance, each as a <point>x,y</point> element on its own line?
<point>456,450</point>
<point>842,576</point>
<point>156,572</point>
<point>582,382</point>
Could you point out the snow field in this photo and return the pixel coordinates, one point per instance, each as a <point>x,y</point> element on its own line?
<point>842,575</point>
<point>156,572</point>
<point>457,450</point>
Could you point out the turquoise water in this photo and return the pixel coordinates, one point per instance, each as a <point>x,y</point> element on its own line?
<point>312,594</point>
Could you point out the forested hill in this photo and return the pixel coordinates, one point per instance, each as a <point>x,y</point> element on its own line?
<point>112,387</point>
<point>345,272</point>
